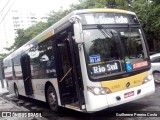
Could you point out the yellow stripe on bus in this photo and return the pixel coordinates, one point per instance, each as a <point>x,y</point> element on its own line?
<point>72,107</point>
<point>107,10</point>
<point>44,37</point>
<point>121,84</point>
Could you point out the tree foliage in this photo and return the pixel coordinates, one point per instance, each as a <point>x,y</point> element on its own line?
<point>147,12</point>
<point>26,35</point>
<point>55,16</point>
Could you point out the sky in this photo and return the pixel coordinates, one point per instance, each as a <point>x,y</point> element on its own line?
<point>37,6</point>
<point>43,5</point>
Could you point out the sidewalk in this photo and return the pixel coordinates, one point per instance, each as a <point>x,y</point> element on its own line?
<point>8,109</point>
<point>3,90</point>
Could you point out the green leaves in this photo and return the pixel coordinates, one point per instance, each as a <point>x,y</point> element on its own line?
<point>55,16</point>
<point>147,12</point>
<point>28,34</point>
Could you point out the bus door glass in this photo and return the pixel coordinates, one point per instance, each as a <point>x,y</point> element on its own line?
<point>67,87</point>
<point>26,71</point>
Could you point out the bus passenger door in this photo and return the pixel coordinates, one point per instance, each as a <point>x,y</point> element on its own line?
<point>64,72</point>
<point>69,93</point>
<point>26,71</point>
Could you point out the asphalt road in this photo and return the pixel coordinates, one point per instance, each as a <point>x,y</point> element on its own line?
<point>142,109</point>
<point>149,104</point>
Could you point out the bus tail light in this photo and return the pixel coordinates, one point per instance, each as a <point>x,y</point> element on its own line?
<point>147,79</point>
<point>99,90</point>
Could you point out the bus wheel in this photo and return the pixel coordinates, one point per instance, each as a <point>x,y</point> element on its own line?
<point>16,91</point>
<point>156,76</point>
<point>52,99</point>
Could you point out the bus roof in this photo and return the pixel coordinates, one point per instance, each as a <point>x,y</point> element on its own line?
<point>51,30</point>
<point>103,10</point>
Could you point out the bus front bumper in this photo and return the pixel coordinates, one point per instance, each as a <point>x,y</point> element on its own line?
<point>100,102</point>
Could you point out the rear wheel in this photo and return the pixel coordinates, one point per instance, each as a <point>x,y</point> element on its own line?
<point>52,99</point>
<point>16,91</point>
<point>156,76</point>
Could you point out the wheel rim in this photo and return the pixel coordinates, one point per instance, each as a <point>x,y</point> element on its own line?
<point>52,99</point>
<point>156,77</point>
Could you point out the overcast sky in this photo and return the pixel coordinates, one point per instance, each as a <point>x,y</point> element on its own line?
<point>37,6</point>
<point>45,5</point>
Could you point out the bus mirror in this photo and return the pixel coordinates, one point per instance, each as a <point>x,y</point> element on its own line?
<point>78,33</point>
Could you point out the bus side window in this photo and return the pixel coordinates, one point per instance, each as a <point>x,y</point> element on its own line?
<point>47,61</point>
<point>51,71</point>
<point>42,61</point>
<point>50,64</point>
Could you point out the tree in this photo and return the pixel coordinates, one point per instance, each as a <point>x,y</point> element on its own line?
<point>24,36</point>
<point>55,16</point>
<point>147,12</point>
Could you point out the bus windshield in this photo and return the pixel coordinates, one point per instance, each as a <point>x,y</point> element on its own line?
<point>113,51</point>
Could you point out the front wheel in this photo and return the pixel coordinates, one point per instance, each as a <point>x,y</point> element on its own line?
<point>156,76</point>
<point>52,99</point>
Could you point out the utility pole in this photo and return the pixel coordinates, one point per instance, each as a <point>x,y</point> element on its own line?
<point>1,74</point>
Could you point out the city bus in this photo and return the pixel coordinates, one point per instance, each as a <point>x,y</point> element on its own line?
<point>90,60</point>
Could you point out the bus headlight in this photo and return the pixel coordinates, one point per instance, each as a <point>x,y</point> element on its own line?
<point>147,79</point>
<point>98,90</point>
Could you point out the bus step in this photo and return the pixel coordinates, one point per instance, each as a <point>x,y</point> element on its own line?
<point>66,94</point>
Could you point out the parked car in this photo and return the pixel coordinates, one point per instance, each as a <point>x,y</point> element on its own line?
<point>152,53</point>
<point>155,63</point>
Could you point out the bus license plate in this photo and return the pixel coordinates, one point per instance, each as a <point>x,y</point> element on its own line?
<point>129,94</point>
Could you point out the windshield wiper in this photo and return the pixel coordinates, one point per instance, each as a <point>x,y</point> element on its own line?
<point>105,32</point>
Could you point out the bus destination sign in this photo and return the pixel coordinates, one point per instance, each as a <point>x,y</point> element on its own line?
<point>108,18</point>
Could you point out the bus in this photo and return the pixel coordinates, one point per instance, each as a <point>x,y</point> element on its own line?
<point>90,60</point>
